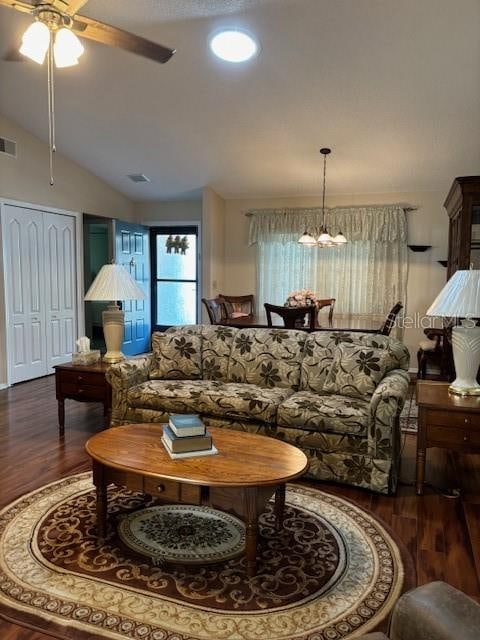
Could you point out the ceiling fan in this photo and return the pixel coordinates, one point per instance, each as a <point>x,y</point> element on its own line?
<point>58,15</point>
<point>54,35</point>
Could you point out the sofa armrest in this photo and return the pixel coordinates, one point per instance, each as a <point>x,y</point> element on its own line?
<point>435,611</point>
<point>122,377</point>
<point>385,407</point>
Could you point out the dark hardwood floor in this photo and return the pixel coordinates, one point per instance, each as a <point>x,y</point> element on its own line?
<point>442,534</point>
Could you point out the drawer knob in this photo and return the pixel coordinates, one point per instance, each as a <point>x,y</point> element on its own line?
<point>80,378</point>
<point>80,391</point>
<point>465,437</point>
<point>161,488</point>
<point>467,420</point>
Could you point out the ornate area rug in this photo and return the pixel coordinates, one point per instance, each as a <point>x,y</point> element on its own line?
<point>183,533</point>
<point>333,572</point>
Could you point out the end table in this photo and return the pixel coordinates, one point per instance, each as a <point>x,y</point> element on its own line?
<point>84,384</point>
<point>445,420</point>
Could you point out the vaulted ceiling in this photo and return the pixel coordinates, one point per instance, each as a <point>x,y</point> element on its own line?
<point>393,87</point>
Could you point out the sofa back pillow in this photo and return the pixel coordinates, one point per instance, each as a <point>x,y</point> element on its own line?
<point>321,347</point>
<point>217,342</point>
<point>357,370</point>
<point>267,357</point>
<point>177,355</point>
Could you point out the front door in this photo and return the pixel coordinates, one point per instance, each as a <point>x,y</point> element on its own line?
<point>133,252</point>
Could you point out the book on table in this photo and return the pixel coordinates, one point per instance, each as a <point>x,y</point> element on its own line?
<point>189,454</point>
<point>185,425</point>
<point>186,444</point>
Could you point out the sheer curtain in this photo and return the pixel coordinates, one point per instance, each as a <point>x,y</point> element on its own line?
<point>366,276</point>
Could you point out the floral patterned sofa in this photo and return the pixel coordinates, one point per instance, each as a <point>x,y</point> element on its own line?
<point>335,395</point>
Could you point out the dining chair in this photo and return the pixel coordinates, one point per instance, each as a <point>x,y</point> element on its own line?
<point>238,306</point>
<point>215,309</point>
<point>322,304</point>
<point>390,319</point>
<point>293,317</point>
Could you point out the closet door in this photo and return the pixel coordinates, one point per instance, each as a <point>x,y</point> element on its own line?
<point>24,267</point>
<point>60,288</point>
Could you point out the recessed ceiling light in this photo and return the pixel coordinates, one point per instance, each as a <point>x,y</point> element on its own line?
<point>233,45</point>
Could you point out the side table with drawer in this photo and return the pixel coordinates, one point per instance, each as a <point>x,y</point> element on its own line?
<point>445,420</point>
<point>84,384</point>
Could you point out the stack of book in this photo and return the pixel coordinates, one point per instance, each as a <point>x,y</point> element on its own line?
<point>185,436</point>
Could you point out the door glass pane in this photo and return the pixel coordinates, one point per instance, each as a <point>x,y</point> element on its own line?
<point>176,303</point>
<point>176,266</point>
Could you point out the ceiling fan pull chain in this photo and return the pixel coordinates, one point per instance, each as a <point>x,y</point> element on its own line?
<point>51,108</point>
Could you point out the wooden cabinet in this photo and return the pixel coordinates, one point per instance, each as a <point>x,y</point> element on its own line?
<point>463,208</point>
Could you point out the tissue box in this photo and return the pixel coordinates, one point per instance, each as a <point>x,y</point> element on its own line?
<point>88,357</point>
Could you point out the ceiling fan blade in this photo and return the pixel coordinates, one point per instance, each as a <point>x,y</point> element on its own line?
<point>14,55</point>
<point>69,7</point>
<point>104,33</point>
<point>26,7</point>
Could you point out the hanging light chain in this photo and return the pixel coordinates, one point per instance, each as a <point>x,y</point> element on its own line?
<point>51,108</point>
<point>324,182</point>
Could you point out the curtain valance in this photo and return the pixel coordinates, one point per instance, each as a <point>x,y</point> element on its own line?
<point>382,223</point>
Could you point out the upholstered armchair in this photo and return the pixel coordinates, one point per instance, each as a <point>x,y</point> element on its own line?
<point>434,611</point>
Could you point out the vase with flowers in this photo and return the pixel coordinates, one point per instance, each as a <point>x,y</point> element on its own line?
<point>301,298</point>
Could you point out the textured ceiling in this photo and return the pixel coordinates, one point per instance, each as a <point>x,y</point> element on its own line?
<point>393,87</point>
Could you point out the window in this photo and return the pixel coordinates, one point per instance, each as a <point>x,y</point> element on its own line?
<point>174,276</point>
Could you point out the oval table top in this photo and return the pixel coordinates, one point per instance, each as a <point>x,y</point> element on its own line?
<point>243,459</point>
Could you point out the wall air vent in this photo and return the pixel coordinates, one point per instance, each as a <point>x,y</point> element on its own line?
<point>8,147</point>
<point>138,177</point>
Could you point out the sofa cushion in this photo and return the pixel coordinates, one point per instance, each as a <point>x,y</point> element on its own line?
<point>243,401</point>
<point>216,348</point>
<point>325,412</point>
<point>267,357</point>
<point>357,370</point>
<point>170,396</point>
<point>176,356</point>
<point>209,397</point>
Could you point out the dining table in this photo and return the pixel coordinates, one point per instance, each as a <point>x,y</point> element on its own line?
<point>364,323</point>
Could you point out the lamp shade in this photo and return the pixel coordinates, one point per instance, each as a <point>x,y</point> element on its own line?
<point>460,297</point>
<point>113,282</point>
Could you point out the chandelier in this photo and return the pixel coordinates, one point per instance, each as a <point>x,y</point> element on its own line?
<point>324,239</point>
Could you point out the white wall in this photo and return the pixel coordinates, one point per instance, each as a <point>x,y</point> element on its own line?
<point>169,211</point>
<point>213,244</point>
<point>26,178</point>
<point>428,225</point>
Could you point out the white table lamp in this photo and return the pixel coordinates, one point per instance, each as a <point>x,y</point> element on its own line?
<point>460,298</point>
<point>113,282</point>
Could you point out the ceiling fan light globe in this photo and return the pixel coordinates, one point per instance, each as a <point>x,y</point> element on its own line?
<point>35,42</point>
<point>67,48</point>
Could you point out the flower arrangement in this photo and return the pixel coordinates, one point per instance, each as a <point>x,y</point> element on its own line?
<point>301,298</point>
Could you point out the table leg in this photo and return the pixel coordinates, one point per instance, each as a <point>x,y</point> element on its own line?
<point>279,505</point>
<point>101,487</point>
<point>106,416</point>
<point>421,452</point>
<point>251,529</point>
<point>61,416</point>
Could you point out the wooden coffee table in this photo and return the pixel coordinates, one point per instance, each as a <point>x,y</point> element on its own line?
<point>241,478</point>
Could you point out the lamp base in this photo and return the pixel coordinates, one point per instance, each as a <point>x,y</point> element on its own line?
<point>113,332</point>
<point>466,357</point>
